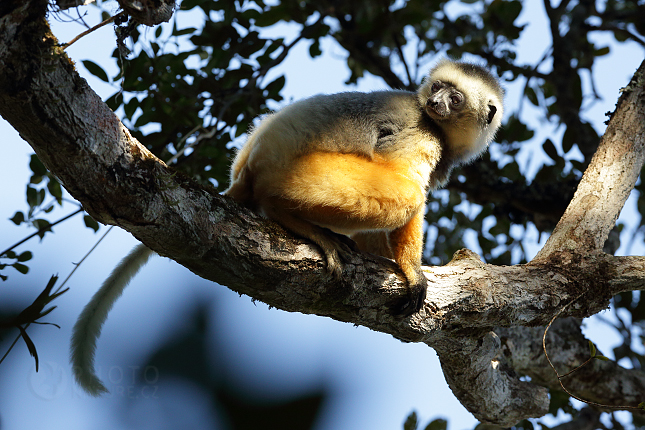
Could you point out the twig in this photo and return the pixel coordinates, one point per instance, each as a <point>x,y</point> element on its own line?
<point>183,139</point>
<point>40,230</point>
<point>399,50</point>
<point>11,347</point>
<point>96,27</point>
<point>83,259</point>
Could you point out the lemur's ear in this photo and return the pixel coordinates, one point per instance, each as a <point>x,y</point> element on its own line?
<point>492,110</point>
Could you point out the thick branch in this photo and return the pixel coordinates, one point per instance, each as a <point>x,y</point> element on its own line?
<point>494,394</point>
<point>467,294</point>
<point>608,180</point>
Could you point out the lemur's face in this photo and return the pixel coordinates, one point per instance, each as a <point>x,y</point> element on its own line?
<point>444,102</point>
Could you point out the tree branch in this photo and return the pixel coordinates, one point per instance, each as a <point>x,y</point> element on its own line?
<point>608,180</point>
<point>479,375</point>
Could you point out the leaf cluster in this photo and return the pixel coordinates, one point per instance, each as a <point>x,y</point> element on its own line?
<point>43,194</point>
<point>30,315</point>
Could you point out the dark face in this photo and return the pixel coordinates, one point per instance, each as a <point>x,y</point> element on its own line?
<point>444,101</point>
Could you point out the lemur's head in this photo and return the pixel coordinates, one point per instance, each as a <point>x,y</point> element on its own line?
<point>467,102</point>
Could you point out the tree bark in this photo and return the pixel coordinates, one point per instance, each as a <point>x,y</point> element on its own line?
<point>120,182</point>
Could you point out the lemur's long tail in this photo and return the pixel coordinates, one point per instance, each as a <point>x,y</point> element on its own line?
<point>88,326</point>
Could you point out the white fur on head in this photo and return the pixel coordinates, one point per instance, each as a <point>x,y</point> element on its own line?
<point>470,134</point>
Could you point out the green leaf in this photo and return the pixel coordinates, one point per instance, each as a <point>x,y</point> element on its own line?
<point>550,149</point>
<point>35,197</point>
<point>314,49</point>
<point>35,179</point>
<point>25,256</point>
<point>43,226</point>
<point>592,349</point>
<point>131,107</point>
<point>641,405</point>
<point>601,51</point>
<point>578,165</point>
<point>21,268</point>
<point>18,218</point>
<point>438,424</point>
<point>184,31</point>
<point>532,96</point>
<point>54,188</point>
<point>115,100</point>
<point>272,16</point>
<point>411,422</point>
<point>275,86</point>
<point>568,139</point>
<point>37,166</point>
<point>91,223</point>
<point>96,70</point>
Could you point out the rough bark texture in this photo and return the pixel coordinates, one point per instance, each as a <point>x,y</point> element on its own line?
<point>120,182</point>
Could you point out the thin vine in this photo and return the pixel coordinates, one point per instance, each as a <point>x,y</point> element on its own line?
<point>594,355</point>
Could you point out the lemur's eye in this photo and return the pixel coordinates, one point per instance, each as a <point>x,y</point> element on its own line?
<point>456,99</point>
<point>436,86</point>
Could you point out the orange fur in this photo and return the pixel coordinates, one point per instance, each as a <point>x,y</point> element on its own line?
<point>363,194</point>
<point>407,247</point>
<point>379,201</point>
<point>347,194</point>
